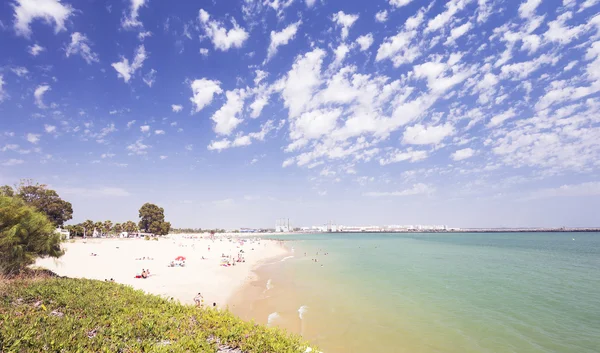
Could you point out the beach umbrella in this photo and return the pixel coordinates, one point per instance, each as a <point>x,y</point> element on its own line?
<point>180,258</point>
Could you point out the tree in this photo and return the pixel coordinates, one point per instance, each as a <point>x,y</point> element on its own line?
<point>98,226</point>
<point>25,234</point>
<point>130,227</point>
<point>107,227</point>
<point>7,190</point>
<point>88,227</point>
<point>117,228</point>
<point>76,230</point>
<point>44,200</point>
<point>152,220</point>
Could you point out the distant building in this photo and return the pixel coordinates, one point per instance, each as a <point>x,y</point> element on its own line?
<point>65,234</point>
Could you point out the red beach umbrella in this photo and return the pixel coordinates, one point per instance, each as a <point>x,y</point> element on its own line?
<point>180,258</point>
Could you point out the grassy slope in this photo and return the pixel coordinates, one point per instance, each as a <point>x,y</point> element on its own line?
<point>78,315</point>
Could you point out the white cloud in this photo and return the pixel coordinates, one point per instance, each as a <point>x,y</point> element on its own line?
<point>219,145</point>
<point>365,41</point>
<point>588,189</point>
<point>439,21</point>
<point>12,147</point>
<point>463,154</point>
<point>314,124</point>
<point>145,128</point>
<point>39,95</point>
<point>416,189</point>
<point>26,11</point>
<point>203,51</point>
<point>222,38</point>
<point>80,45</point>
<point>162,158</point>
<point>528,7</point>
<point>399,48</point>
<point>227,117</point>
<point>401,156</point>
<point>422,135</point>
<point>499,119</point>
<point>176,108</point>
<point>132,21</point>
<point>281,38</point>
<point>458,32</point>
<point>12,162</point>
<point>36,49</point>
<point>2,94</point>
<point>558,31</point>
<point>340,54</point>
<point>144,35</point>
<point>107,155</point>
<point>130,123</point>
<point>33,138</point>
<point>20,71</point>
<point>400,3</point>
<point>104,132</point>
<point>159,132</point>
<point>50,129</point>
<point>310,3</point>
<point>301,81</point>
<point>138,147</point>
<point>345,21</point>
<point>203,91</point>
<point>570,65</point>
<point>125,70</point>
<point>150,77</point>
<point>257,106</point>
<point>381,16</point>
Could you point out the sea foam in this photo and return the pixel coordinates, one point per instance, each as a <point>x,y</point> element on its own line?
<point>285,258</point>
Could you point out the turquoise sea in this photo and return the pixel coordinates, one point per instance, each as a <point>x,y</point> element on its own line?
<point>460,292</point>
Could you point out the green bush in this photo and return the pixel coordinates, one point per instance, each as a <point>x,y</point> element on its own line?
<point>80,315</point>
<point>155,239</point>
<point>25,234</point>
<point>146,237</point>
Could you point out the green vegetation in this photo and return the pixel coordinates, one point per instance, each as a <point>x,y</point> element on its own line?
<point>43,199</point>
<point>152,220</point>
<point>79,315</point>
<point>25,234</point>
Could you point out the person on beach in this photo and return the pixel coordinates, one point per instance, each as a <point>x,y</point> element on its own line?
<point>144,274</point>
<point>198,299</point>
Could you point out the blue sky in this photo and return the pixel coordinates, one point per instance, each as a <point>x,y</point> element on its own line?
<point>236,113</point>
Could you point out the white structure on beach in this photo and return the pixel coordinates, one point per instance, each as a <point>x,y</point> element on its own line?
<point>65,234</point>
<point>282,225</point>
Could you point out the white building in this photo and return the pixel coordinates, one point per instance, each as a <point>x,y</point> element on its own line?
<point>65,234</point>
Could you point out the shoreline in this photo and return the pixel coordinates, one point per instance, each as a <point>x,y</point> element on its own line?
<point>123,259</point>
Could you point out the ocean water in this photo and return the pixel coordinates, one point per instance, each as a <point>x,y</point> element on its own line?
<point>496,292</point>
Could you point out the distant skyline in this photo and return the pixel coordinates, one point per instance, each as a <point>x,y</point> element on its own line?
<point>468,113</point>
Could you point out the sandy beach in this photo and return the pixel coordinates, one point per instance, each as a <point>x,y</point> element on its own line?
<point>123,259</point>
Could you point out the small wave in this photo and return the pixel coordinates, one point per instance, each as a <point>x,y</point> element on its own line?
<point>272,317</point>
<point>269,285</point>
<point>285,258</point>
<point>303,309</point>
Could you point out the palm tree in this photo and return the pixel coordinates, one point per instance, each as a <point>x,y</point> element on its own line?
<point>88,226</point>
<point>107,227</point>
<point>98,226</point>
